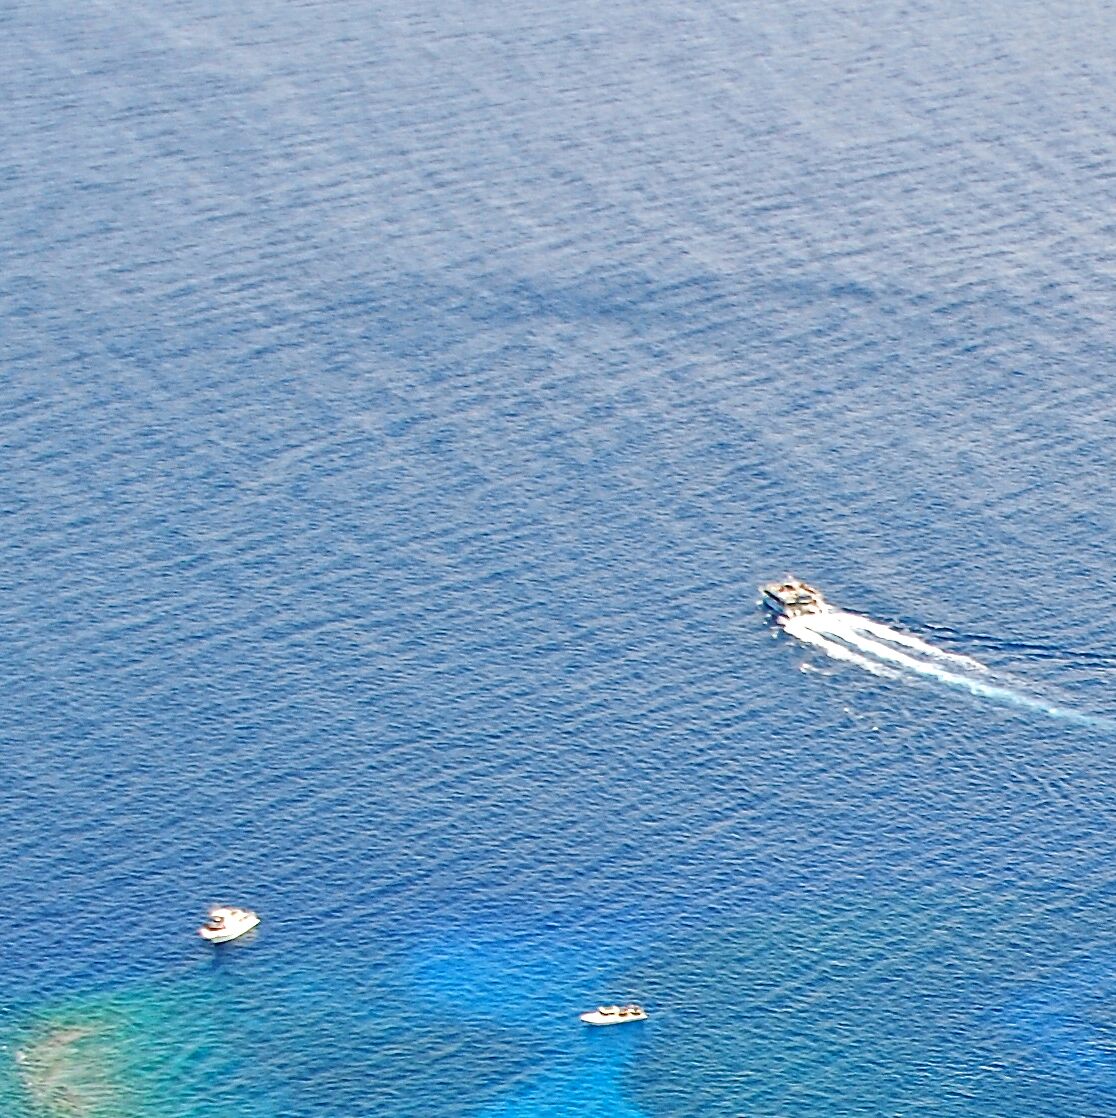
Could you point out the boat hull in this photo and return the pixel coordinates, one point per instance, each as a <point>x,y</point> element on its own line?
<point>792,598</point>
<point>596,1017</point>
<point>231,931</point>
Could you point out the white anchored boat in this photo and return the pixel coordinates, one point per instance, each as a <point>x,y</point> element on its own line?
<point>614,1015</point>
<point>793,598</point>
<point>226,923</point>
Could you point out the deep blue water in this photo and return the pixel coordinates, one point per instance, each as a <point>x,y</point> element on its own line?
<point>400,407</point>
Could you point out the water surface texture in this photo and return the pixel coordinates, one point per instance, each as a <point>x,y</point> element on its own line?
<point>400,406</point>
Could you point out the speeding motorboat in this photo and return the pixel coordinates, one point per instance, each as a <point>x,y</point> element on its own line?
<point>793,598</point>
<point>226,923</point>
<point>614,1015</point>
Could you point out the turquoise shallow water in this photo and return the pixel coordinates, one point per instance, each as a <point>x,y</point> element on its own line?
<point>400,409</point>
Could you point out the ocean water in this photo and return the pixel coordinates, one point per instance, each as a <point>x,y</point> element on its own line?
<point>401,405</point>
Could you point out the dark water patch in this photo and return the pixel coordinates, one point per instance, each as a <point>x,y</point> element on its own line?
<point>872,1003</point>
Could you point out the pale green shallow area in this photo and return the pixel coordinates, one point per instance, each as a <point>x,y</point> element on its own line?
<point>105,1058</point>
<point>213,1037</point>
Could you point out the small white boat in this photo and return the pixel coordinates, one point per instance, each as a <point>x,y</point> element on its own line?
<point>793,598</point>
<point>614,1015</point>
<point>226,923</point>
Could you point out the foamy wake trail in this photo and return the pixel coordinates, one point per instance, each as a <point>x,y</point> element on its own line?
<point>894,647</point>
<point>811,636</point>
<point>907,640</point>
<point>885,651</point>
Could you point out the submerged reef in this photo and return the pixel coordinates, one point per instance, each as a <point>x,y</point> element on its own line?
<point>72,1069</point>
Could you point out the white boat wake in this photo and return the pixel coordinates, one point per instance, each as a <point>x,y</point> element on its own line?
<point>806,630</point>
<point>889,652</point>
